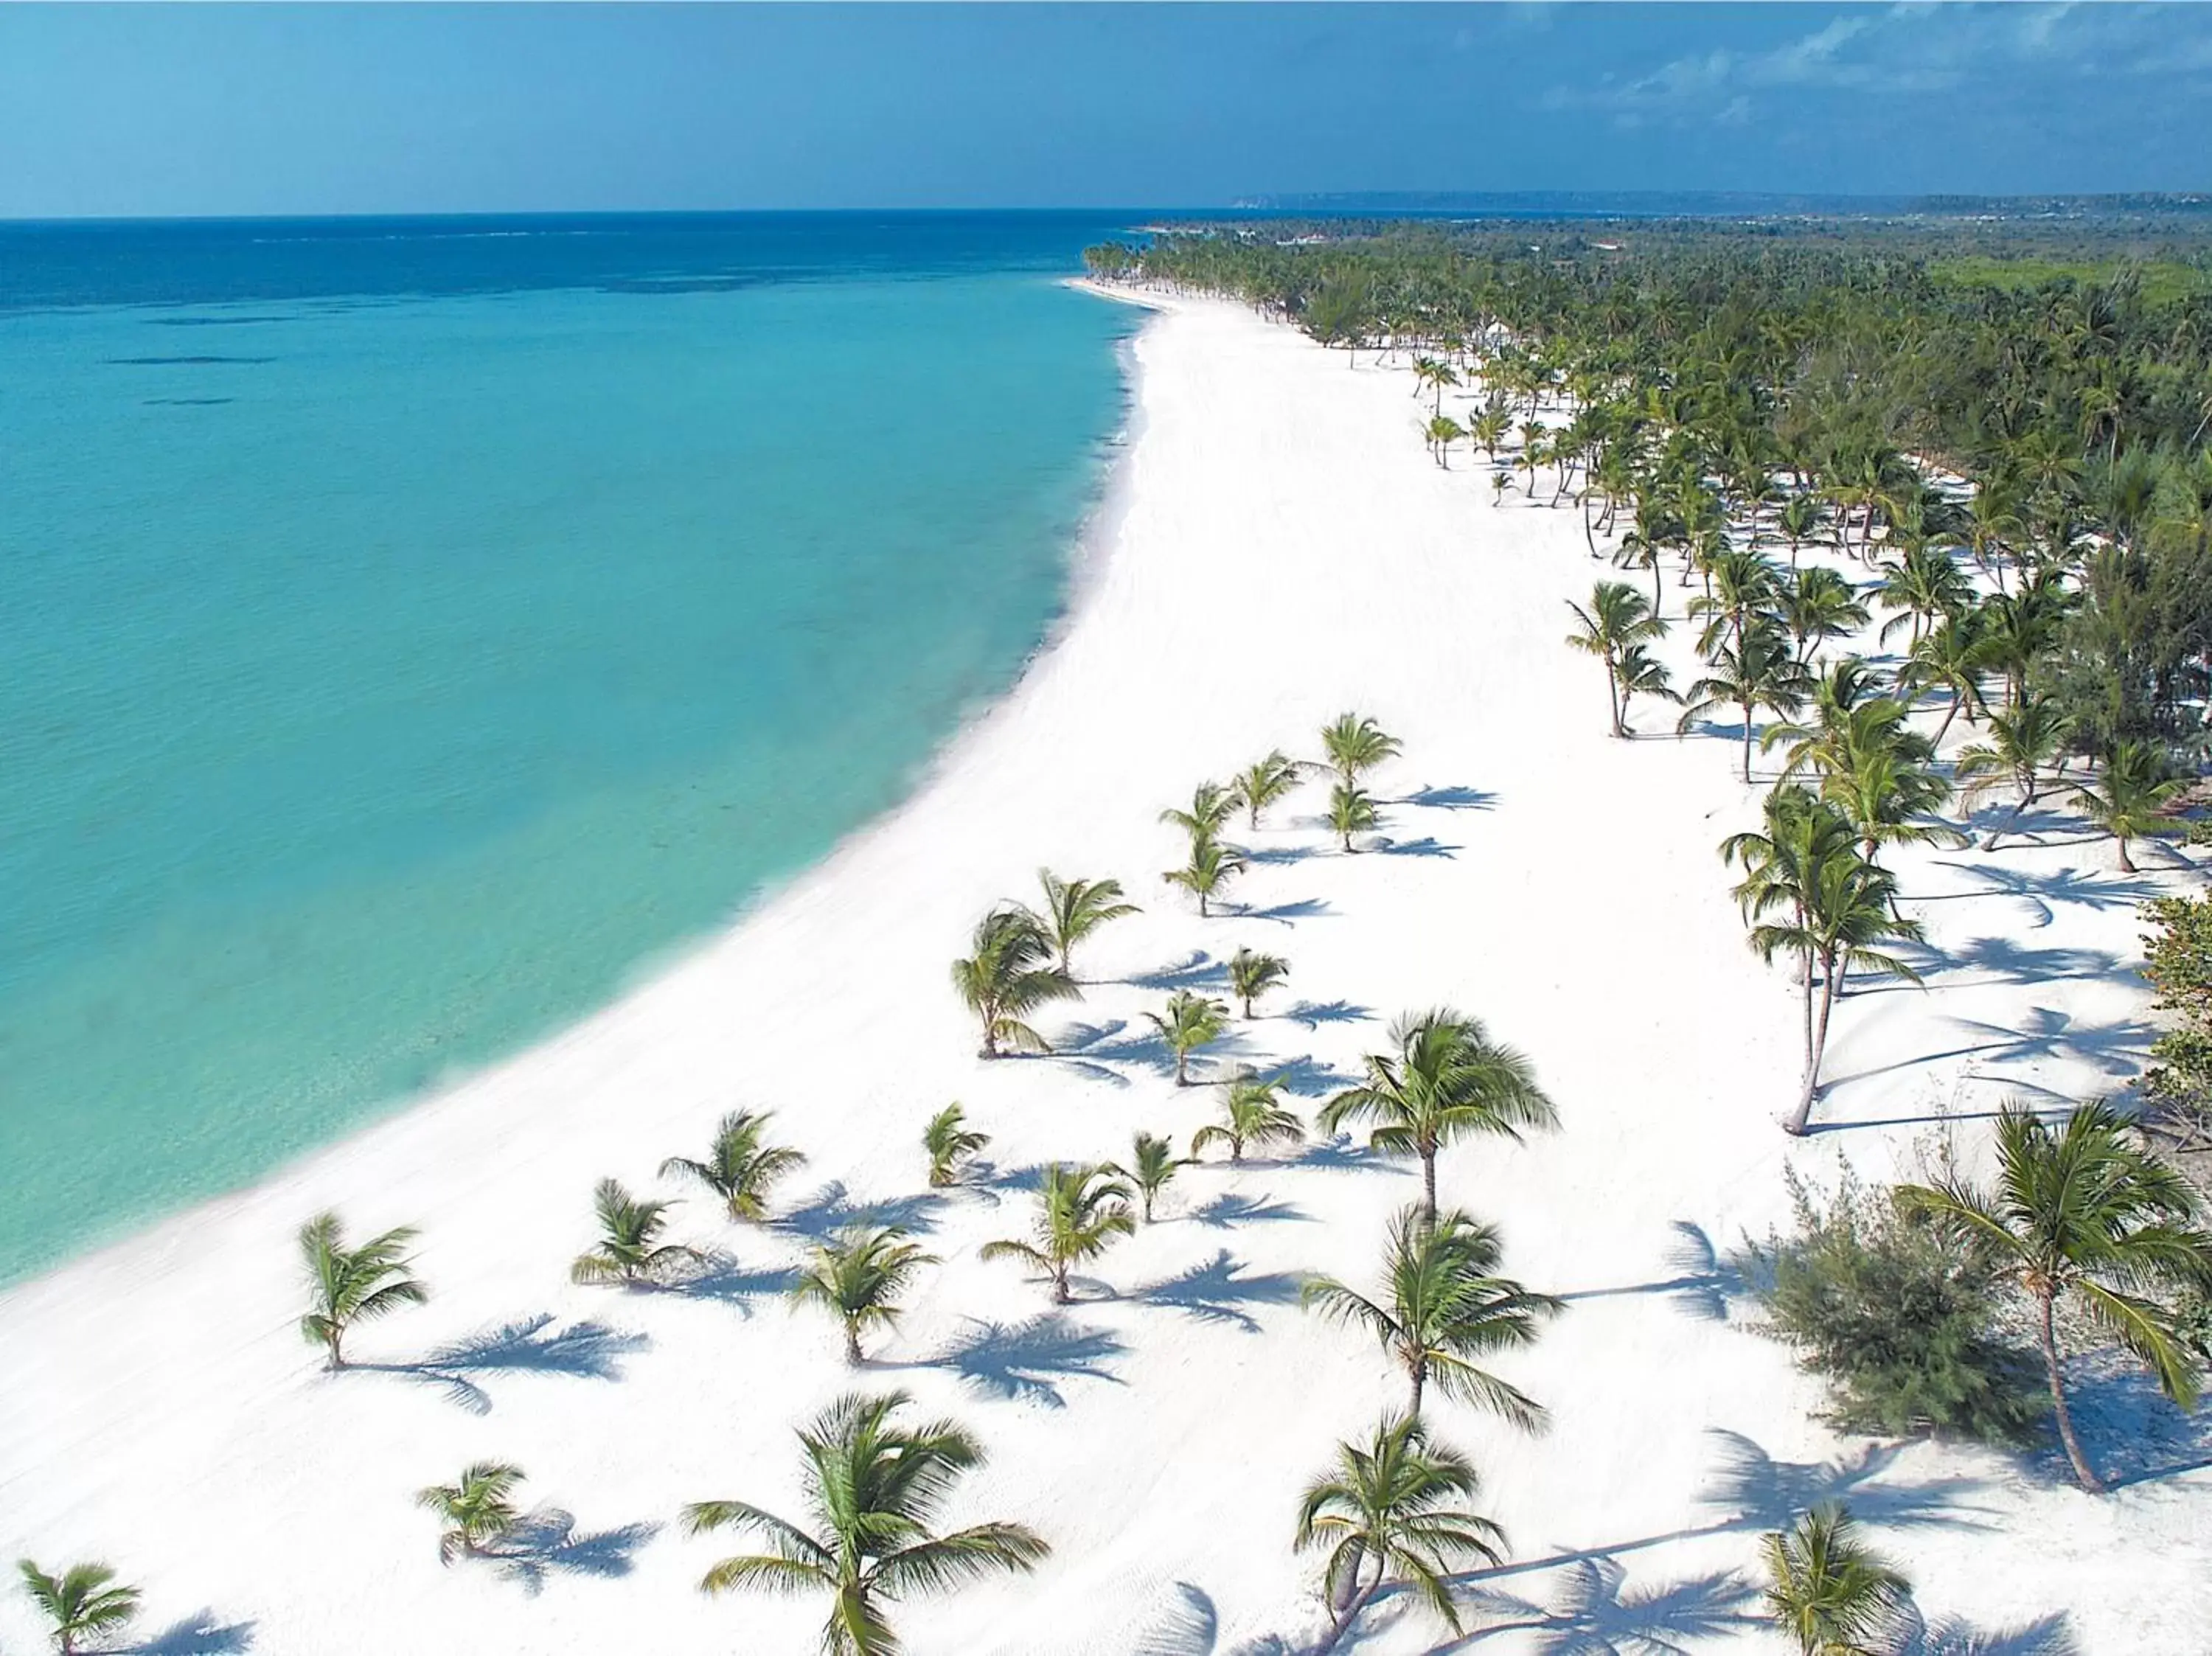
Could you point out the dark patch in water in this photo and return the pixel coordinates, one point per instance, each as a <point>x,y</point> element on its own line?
<point>209,321</point>
<point>181,361</point>
<point>187,402</point>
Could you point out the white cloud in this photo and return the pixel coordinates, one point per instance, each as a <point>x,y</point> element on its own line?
<point>1914,48</point>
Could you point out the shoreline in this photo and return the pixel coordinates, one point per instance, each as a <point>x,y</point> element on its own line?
<point>1280,549</point>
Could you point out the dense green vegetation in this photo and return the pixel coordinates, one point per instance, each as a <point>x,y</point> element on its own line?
<point>1701,375</point>
<point>1899,1321</point>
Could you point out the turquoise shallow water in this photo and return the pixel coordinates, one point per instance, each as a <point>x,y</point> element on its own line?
<point>388,678</point>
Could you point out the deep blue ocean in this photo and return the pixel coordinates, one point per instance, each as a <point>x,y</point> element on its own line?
<point>414,629</point>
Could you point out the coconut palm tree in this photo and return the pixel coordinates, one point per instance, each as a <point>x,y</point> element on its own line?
<point>85,1601</point>
<point>1191,1021</point>
<point>1444,1306</point>
<point>1952,655</point>
<point>1924,584</point>
<point>1352,810</point>
<point>1073,909</point>
<point>1617,619</point>
<point>1818,605</point>
<point>1443,431</point>
<point>630,1251</point>
<point>1829,1591</point>
<point>2128,800</point>
<point>858,1275</point>
<point>1252,1112</point>
<point>1212,866</point>
<point>1432,374</point>
<point>1210,805</point>
<point>347,1286</point>
<point>875,1488</point>
<point>1356,744</point>
<point>1638,672</point>
<point>1838,904</point>
<point>1762,672</point>
<point>2022,741</point>
<point>1262,782</point>
<point>1252,974</point>
<point>1395,1510</point>
<point>479,1511</point>
<point>1489,431</point>
<point>1010,975</point>
<point>1447,1081</point>
<point>1801,519</point>
<point>739,1169</point>
<point>1152,1167</point>
<point>2084,1213</point>
<point>1080,1210</point>
<point>950,1143</point>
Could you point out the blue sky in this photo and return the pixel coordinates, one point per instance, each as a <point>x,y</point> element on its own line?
<point>274,109</point>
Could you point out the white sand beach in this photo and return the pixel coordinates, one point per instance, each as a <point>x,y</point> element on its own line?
<point>1282,549</point>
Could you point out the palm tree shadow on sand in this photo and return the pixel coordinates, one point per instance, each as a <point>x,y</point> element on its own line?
<point>1703,1283</point>
<point>1028,1361</point>
<point>831,1209</point>
<point>1219,1291</point>
<point>200,1634</point>
<point>531,1345</point>
<point>546,1543</point>
<point>1592,1610</point>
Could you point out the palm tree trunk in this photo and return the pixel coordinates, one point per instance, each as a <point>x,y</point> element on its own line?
<point>852,1346</point>
<point>1429,1185</point>
<point>1818,1048</point>
<point>1420,1375</point>
<point>1350,1613</point>
<point>1746,742</point>
<point>2082,1473</point>
<point>2127,863</point>
<point>1060,1295</point>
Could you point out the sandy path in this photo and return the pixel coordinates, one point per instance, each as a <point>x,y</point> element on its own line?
<point>1285,551</point>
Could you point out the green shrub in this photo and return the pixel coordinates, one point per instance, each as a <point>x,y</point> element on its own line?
<point>1904,1327</point>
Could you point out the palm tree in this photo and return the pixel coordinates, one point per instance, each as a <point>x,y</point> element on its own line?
<point>1761,672</point>
<point>1212,866</point>
<point>1210,805</point>
<point>1395,1510</point>
<point>1800,520</point>
<point>1924,584</point>
<point>1818,605</point>
<point>630,1251</point>
<point>83,1601</point>
<point>1430,374</point>
<point>1073,909</point>
<point>950,1142</point>
<point>1252,1112</point>
<point>1008,976</point>
<point>478,1510</point>
<point>1954,653</point>
<point>875,1488</point>
<point>347,1286</point>
<point>2129,800</point>
<point>1152,1167</point>
<point>739,1169</point>
<point>1618,619</point>
<point>858,1276</point>
<point>1356,744</point>
<point>1839,907</point>
<point>1829,1591</point>
<point>2022,743</point>
<point>1638,672</point>
<point>1352,810</point>
<point>1252,974</point>
<point>1444,1306</point>
<point>1447,1081</point>
<point>1080,1210</point>
<point>2085,1213</point>
<point>1190,1021</point>
<point>1489,430</point>
<point>1443,432</point>
<point>1262,782</point>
